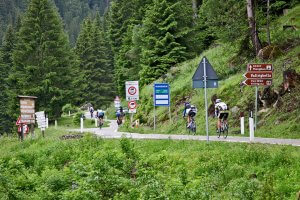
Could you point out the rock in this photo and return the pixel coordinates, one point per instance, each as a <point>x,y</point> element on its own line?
<point>276,52</point>
<point>269,96</point>
<point>265,52</point>
<point>269,52</point>
<point>235,109</point>
<point>265,110</point>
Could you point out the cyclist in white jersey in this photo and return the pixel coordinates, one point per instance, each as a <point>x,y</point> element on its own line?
<point>221,111</point>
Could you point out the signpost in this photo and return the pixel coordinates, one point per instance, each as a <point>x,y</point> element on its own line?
<point>27,109</point>
<point>132,109</point>
<point>258,75</point>
<point>117,102</point>
<point>205,77</point>
<point>161,96</point>
<point>132,90</point>
<point>41,121</point>
<point>132,106</point>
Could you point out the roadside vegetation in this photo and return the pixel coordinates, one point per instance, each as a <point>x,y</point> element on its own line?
<point>93,168</point>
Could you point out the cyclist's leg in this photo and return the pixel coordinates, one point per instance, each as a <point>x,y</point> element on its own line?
<point>219,120</point>
<point>225,119</point>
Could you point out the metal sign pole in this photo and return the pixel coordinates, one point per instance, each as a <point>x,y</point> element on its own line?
<point>154,119</point>
<point>205,94</point>
<point>256,106</point>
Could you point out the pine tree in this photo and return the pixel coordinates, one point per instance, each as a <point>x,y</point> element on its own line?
<point>42,58</point>
<point>96,68</point>
<point>161,48</point>
<point>6,64</point>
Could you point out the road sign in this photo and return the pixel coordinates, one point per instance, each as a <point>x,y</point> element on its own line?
<point>258,82</point>
<point>211,76</point>
<point>27,108</point>
<point>132,90</point>
<point>161,94</point>
<point>41,119</point>
<point>259,67</point>
<point>132,104</point>
<point>117,102</point>
<point>259,74</point>
<point>132,111</point>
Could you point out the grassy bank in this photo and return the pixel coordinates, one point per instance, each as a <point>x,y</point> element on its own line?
<point>90,168</point>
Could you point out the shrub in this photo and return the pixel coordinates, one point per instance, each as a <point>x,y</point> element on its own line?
<point>77,116</point>
<point>69,107</point>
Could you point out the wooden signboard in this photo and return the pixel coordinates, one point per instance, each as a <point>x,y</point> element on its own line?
<point>27,108</point>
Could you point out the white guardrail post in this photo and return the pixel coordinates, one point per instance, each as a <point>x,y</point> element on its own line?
<point>242,125</point>
<point>251,128</point>
<point>81,125</point>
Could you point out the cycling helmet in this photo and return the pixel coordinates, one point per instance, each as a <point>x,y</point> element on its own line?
<point>218,100</point>
<point>192,106</point>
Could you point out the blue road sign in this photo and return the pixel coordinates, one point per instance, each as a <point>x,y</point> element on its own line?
<point>161,94</point>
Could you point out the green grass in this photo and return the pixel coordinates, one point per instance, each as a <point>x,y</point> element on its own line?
<point>91,168</point>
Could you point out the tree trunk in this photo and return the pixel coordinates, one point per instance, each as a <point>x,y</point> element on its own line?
<point>195,8</point>
<point>268,22</point>
<point>252,26</point>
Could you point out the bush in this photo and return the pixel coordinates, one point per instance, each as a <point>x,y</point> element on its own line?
<point>77,116</point>
<point>69,107</point>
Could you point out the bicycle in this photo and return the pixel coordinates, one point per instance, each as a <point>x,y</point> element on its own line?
<point>224,129</point>
<point>119,121</point>
<point>192,127</point>
<point>100,122</point>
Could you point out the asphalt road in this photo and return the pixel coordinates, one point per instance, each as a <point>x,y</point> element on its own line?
<point>113,133</point>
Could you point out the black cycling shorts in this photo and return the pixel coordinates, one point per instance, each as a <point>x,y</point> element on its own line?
<point>100,117</point>
<point>223,116</point>
<point>191,114</point>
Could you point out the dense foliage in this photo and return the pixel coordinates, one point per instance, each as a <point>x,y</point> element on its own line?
<point>95,80</point>
<point>93,168</point>
<point>72,12</point>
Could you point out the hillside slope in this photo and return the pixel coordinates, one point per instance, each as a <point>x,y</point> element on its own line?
<point>281,121</point>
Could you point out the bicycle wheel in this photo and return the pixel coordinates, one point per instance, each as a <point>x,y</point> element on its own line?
<point>225,134</point>
<point>219,132</point>
<point>194,128</point>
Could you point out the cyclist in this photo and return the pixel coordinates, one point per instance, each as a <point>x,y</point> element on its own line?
<point>120,114</point>
<point>221,111</point>
<point>191,113</point>
<point>91,111</point>
<point>187,105</point>
<point>100,115</point>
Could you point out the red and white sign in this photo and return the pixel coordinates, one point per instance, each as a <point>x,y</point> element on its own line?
<point>132,105</point>
<point>259,75</point>
<point>259,67</point>
<point>132,90</point>
<point>258,82</point>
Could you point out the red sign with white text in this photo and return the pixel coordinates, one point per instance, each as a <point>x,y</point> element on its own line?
<point>259,75</point>
<point>260,67</point>
<point>258,82</point>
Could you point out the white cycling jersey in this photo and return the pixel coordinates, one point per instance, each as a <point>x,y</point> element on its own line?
<point>221,106</point>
